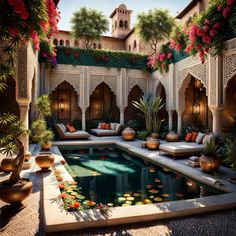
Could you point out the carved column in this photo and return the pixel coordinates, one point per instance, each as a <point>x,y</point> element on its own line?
<point>170,115</point>
<point>24,117</point>
<point>216,113</point>
<point>180,113</point>
<point>83,109</point>
<point>122,117</point>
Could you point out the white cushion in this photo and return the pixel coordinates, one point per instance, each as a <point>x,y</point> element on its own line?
<point>113,126</point>
<point>208,138</point>
<point>99,126</point>
<point>63,127</point>
<point>199,137</point>
<point>117,127</point>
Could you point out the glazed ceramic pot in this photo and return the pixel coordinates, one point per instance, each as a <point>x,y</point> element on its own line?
<point>128,134</point>
<point>16,193</point>
<point>153,143</point>
<point>209,164</point>
<point>172,136</point>
<point>7,164</point>
<point>44,160</point>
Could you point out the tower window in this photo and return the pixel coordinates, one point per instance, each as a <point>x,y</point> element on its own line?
<point>115,24</point>
<point>99,46</point>
<point>135,44</point>
<point>67,43</point>
<point>61,42</point>
<point>55,42</point>
<point>95,46</point>
<point>126,24</point>
<point>76,43</point>
<point>129,48</point>
<point>121,24</point>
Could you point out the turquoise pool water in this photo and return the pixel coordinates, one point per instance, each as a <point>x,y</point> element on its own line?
<point>109,175</point>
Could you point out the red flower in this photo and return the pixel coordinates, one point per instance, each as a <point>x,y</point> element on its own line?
<point>206,49</point>
<point>212,32</point>
<point>71,206</point>
<point>59,178</point>
<point>205,28</point>
<point>61,186</point>
<point>216,25</point>
<point>76,204</point>
<point>169,55</point>
<point>200,32</point>
<point>13,32</point>
<point>206,39</point>
<point>201,53</point>
<point>219,8</point>
<point>62,195</point>
<point>226,12</point>
<point>162,56</point>
<point>62,162</point>
<point>73,183</point>
<point>24,15</point>
<point>230,2</point>
<point>207,22</point>
<point>11,2</point>
<point>199,47</point>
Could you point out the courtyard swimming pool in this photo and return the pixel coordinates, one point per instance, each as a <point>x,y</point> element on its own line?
<point>112,176</point>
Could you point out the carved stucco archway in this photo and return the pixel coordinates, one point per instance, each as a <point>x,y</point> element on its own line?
<point>110,81</point>
<point>162,84</point>
<point>140,82</point>
<point>199,72</point>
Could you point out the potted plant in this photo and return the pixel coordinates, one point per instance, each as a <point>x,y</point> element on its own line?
<point>230,155</point>
<point>15,189</point>
<point>45,139</point>
<point>209,161</point>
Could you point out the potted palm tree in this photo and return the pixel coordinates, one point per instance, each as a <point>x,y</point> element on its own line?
<point>150,105</point>
<point>15,189</point>
<point>209,161</point>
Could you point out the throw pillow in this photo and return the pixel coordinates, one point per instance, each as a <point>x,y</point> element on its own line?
<point>99,125</point>
<point>63,127</point>
<point>118,127</point>
<point>194,135</point>
<point>113,126</point>
<point>70,128</point>
<point>188,137</point>
<point>103,126</point>
<point>107,126</point>
<point>208,138</point>
<point>199,137</point>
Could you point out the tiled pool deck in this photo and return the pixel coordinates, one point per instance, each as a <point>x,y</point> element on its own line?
<point>30,220</point>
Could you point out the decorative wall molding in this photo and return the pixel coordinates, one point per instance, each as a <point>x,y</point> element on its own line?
<point>230,44</point>
<point>229,67</point>
<point>141,82</point>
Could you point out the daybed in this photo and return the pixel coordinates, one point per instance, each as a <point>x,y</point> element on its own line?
<point>181,148</point>
<point>64,134</point>
<point>110,129</point>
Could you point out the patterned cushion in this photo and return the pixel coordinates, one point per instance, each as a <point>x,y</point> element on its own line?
<point>70,128</point>
<point>208,138</point>
<point>113,126</point>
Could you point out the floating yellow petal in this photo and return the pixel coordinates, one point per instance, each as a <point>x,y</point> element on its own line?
<point>128,202</point>
<point>110,204</point>
<point>158,199</point>
<point>165,195</point>
<point>152,196</point>
<point>153,191</point>
<point>148,186</point>
<point>126,195</point>
<point>125,204</point>
<point>130,198</point>
<point>139,203</point>
<point>136,194</point>
<point>147,201</point>
<point>121,199</point>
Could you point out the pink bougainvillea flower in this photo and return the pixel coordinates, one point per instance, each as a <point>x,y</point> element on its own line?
<point>199,47</point>
<point>226,12</point>
<point>13,32</point>
<point>205,28</point>
<point>62,195</point>
<point>19,6</point>
<point>212,32</point>
<point>216,25</point>
<point>162,56</point>
<point>230,2</point>
<point>24,15</point>
<point>200,32</point>
<point>206,39</point>
<point>207,22</point>
<point>219,8</point>
<point>169,55</point>
<point>206,49</point>
<point>163,66</point>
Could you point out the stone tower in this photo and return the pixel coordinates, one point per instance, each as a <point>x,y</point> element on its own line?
<point>120,21</point>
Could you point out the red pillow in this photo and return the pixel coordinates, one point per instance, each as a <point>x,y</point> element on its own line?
<point>70,128</point>
<point>103,126</point>
<point>188,137</point>
<point>194,135</point>
<point>107,126</point>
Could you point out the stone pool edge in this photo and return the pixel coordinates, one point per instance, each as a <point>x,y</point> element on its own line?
<point>58,219</point>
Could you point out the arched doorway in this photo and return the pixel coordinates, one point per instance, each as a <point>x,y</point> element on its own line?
<point>102,105</point>
<point>229,113</point>
<point>196,113</point>
<point>160,92</point>
<point>131,112</point>
<point>8,101</point>
<point>65,103</point>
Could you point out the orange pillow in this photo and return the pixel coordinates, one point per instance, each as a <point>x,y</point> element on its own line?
<point>188,137</point>
<point>194,135</point>
<point>70,128</point>
<point>107,126</point>
<point>103,126</point>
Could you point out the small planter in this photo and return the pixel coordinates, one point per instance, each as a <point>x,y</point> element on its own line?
<point>172,137</point>
<point>153,143</point>
<point>44,160</point>
<point>209,164</point>
<point>15,194</point>
<point>46,146</point>
<point>128,134</point>
<point>7,164</point>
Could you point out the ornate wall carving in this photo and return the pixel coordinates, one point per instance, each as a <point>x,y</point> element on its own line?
<point>230,44</point>
<point>58,78</point>
<point>22,72</point>
<point>141,82</point>
<point>229,67</point>
<point>111,81</point>
<point>212,81</point>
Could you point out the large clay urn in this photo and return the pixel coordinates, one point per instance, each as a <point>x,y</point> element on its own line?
<point>7,164</point>
<point>44,160</point>
<point>16,193</point>
<point>172,136</point>
<point>128,134</point>
<point>209,164</point>
<point>153,143</point>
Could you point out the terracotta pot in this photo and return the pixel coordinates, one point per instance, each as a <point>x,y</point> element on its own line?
<point>27,156</point>
<point>209,164</point>
<point>128,134</point>
<point>15,193</point>
<point>46,146</point>
<point>172,137</point>
<point>153,143</point>
<point>44,160</point>
<point>7,164</point>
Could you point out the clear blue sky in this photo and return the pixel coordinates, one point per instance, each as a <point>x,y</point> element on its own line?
<point>67,7</point>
